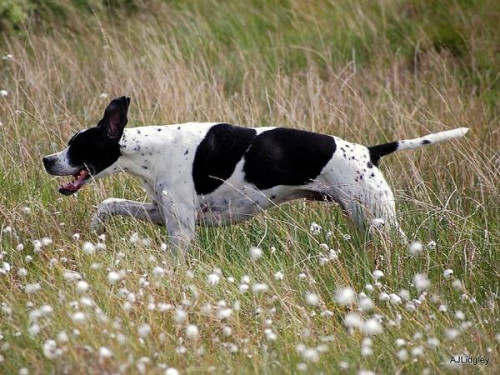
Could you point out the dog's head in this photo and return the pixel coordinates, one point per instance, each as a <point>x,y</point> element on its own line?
<point>91,151</point>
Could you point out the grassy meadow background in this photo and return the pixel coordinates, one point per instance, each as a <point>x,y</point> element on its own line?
<point>367,71</point>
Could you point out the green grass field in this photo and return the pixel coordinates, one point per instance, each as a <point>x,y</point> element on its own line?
<point>366,71</point>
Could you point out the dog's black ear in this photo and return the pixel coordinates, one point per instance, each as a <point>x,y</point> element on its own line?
<point>115,118</point>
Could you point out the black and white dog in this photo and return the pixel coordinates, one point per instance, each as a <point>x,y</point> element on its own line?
<point>216,173</point>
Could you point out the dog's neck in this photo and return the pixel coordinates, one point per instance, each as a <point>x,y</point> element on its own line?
<point>137,149</point>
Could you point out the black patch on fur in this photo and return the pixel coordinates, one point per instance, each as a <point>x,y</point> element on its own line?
<point>287,157</point>
<point>97,148</point>
<point>426,142</point>
<point>93,149</point>
<point>377,152</point>
<point>217,155</point>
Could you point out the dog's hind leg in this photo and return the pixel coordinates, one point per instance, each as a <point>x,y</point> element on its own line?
<point>124,207</point>
<point>370,204</point>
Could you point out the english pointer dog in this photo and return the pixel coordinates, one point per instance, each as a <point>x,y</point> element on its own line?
<point>216,173</point>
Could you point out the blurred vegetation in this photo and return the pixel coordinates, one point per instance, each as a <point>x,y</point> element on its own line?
<point>281,30</point>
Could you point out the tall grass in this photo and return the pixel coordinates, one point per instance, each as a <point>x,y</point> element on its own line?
<point>367,72</point>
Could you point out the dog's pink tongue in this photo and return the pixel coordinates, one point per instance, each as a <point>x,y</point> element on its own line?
<point>72,186</point>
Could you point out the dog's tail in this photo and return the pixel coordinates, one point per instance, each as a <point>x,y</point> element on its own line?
<point>377,152</point>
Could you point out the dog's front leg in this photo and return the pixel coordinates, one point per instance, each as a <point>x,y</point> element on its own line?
<point>124,207</point>
<point>179,215</point>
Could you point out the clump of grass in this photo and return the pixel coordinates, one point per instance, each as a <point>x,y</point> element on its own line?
<point>309,300</point>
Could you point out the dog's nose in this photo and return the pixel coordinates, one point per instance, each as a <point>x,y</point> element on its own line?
<point>47,162</point>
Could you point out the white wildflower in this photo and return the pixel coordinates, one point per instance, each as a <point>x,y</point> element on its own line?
<point>4,93</point>
<point>71,275</point>
<point>353,320</point>
<point>82,286</point>
<point>255,253</point>
<point>259,288</point>
<point>192,332</point>
<point>34,329</point>
<point>402,355</point>
<point>49,349</point>
<point>62,337</point>
<point>365,372</point>
<point>451,333</point>
<point>333,255</point>
<point>22,272</point>
<point>105,352</point>
<point>100,246</point>
<point>312,299</point>
<point>103,95</point>
<point>404,294</point>
<point>279,276</point>
<point>114,277</point>
<point>144,330</point>
<point>243,288</point>
<point>447,273</point>
<point>213,279</point>
<point>417,351</point>
<point>431,245</point>
<point>224,313</point>
<point>37,246</point>
<point>421,281</point>
<point>158,271</point>
<point>378,222</point>
<point>180,315</point>
<point>457,284</point>
<point>88,248</point>
<point>371,327</point>
<point>32,288</point>
<point>394,298</point>
<point>384,296</point>
<point>345,296</point>
<point>134,238</point>
<point>227,331</point>
<point>171,371</point>
<point>315,229</point>
<point>416,248</point>
<point>377,274</point>
<point>433,341</point>
<point>400,342</point>
<point>270,335</point>
<point>79,317</point>
<point>343,365</point>
<point>46,241</point>
<point>366,304</point>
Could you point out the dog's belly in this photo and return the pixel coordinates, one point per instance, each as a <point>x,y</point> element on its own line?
<point>228,205</point>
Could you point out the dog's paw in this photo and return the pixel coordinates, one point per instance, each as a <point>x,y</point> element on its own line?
<point>97,224</point>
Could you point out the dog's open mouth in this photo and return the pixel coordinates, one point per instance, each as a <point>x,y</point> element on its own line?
<point>79,179</point>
